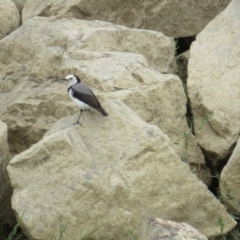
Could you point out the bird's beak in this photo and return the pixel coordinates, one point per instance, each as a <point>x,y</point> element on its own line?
<point>64,79</point>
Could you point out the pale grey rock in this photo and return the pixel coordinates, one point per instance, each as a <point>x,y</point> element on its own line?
<point>117,169</point>
<point>160,229</point>
<point>214,86</point>
<point>7,219</point>
<point>9,17</point>
<point>154,104</point>
<point>230,181</point>
<point>30,69</point>
<point>155,15</point>
<point>107,57</point>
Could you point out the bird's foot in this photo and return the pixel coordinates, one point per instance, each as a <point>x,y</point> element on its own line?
<point>78,123</point>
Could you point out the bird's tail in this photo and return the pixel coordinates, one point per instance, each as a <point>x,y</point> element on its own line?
<point>102,111</point>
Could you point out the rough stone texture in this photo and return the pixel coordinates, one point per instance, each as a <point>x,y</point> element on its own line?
<point>156,15</point>
<point>96,173</point>
<point>155,105</point>
<point>9,17</point>
<point>110,58</point>
<point>230,181</point>
<point>59,47</point>
<point>6,214</point>
<point>213,83</point>
<point>160,229</point>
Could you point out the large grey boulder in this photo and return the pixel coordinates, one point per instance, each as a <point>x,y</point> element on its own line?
<point>214,86</point>
<point>9,17</point>
<point>30,68</point>
<point>117,169</point>
<point>163,16</point>
<point>107,57</point>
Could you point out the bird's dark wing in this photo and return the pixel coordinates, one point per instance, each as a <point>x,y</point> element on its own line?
<point>84,93</point>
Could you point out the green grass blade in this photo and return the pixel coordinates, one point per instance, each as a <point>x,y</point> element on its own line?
<point>89,234</point>
<point>61,231</point>
<point>14,231</point>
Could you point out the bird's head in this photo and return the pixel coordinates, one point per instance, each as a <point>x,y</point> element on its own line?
<point>72,79</point>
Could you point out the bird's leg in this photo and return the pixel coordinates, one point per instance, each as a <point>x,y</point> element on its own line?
<point>81,111</point>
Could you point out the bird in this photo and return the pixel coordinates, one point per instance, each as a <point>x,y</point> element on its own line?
<point>82,96</point>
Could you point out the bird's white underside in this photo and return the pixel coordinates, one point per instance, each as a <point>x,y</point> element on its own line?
<point>79,103</point>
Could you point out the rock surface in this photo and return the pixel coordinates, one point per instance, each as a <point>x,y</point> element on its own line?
<point>33,97</point>
<point>213,83</point>
<point>155,15</point>
<point>9,17</point>
<point>230,181</point>
<point>111,58</point>
<point>96,173</point>
<point>160,229</point>
<point>162,102</point>
<point>6,213</point>
<point>127,166</point>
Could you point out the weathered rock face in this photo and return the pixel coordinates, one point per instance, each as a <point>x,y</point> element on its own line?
<point>73,175</point>
<point>109,57</point>
<point>213,83</point>
<point>6,214</point>
<point>33,97</point>
<point>106,56</point>
<point>118,169</point>
<point>156,15</point>
<point>9,17</point>
<point>230,181</point>
<point>160,229</point>
<point>155,105</point>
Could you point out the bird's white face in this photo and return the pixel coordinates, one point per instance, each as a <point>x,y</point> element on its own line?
<point>71,80</point>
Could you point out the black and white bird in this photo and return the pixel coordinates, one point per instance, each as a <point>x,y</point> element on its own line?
<point>82,96</point>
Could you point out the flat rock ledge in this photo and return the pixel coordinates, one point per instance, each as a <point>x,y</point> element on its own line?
<point>96,173</point>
